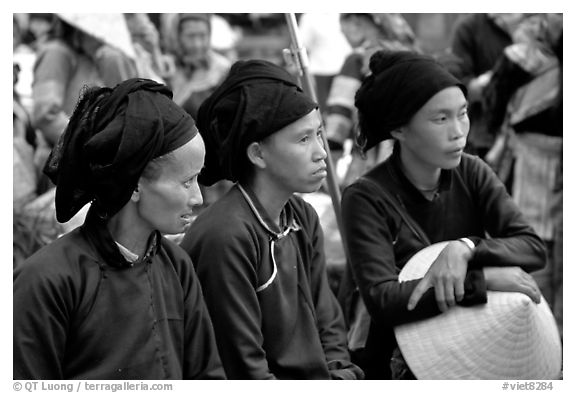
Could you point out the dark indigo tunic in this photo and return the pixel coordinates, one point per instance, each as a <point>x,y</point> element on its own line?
<point>267,291</point>
<point>82,312</point>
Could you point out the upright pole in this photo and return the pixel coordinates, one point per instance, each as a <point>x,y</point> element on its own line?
<point>300,56</point>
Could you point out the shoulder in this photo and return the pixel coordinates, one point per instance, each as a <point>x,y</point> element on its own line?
<point>59,261</point>
<point>371,183</point>
<point>303,209</point>
<point>227,221</point>
<point>473,166</point>
<point>175,252</point>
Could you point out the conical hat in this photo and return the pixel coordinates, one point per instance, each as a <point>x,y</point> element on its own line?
<point>509,337</point>
<point>109,28</point>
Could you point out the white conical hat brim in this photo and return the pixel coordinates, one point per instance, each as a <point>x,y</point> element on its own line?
<point>111,28</point>
<point>509,337</point>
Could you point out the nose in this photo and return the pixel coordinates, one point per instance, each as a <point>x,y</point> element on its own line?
<point>319,151</point>
<point>195,196</point>
<point>460,128</point>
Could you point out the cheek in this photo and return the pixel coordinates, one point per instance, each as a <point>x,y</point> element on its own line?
<point>466,125</point>
<point>163,197</point>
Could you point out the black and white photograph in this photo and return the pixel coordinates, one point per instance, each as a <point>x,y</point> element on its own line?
<point>296,196</point>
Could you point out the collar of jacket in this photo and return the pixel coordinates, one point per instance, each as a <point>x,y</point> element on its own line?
<point>99,236</point>
<point>287,219</point>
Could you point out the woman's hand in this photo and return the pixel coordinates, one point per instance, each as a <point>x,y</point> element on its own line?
<point>511,279</point>
<point>446,275</point>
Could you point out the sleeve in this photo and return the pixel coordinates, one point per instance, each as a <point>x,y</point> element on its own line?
<point>512,241</point>
<point>225,264</point>
<point>201,359</point>
<point>42,307</point>
<point>330,320</point>
<point>52,71</point>
<point>371,231</point>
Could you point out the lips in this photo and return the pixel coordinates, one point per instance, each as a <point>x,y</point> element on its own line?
<point>319,171</point>
<point>187,217</point>
<point>458,150</point>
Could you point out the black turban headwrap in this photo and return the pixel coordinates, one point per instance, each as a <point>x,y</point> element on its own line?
<point>400,84</point>
<point>256,99</point>
<point>110,138</point>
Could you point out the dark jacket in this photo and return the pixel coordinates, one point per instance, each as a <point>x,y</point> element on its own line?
<point>274,314</point>
<point>471,202</point>
<point>82,312</point>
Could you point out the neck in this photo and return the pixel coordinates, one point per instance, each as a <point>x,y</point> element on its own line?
<point>270,197</point>
<point>126,231</point>
<point>424,177</point>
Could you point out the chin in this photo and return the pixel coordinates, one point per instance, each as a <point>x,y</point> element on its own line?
<point>451,163</point>
<point>310,188</point>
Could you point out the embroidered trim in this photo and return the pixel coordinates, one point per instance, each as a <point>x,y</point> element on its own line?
<point>274,273</point>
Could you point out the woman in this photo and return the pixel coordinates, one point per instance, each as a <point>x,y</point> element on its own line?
<point>259,249</point>
<point>113,299</point>
<point>447,195</point>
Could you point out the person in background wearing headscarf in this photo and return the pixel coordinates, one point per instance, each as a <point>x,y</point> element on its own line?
<point>75,55</point>
<point>524,100</point>
<point>198,71</point>
<point>449,196</point>
<point>150,62</point>
<point>478,41</point>
<point>259,250</point>
<point>366,34</point>
<point>114,299</point>
<point>199,68</point>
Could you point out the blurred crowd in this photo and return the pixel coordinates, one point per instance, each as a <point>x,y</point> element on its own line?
<point>510,63</point>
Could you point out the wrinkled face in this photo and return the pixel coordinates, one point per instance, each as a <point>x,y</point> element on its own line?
<point>436,135</point>
<point>295,155</point>
<point>167,200</point>
<point>194,40</point>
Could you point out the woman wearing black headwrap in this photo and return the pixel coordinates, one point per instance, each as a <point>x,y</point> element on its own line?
<point>447,195</point>
<point>259,249</point>
<point>113,299</point>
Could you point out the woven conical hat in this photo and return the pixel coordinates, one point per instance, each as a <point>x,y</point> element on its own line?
<point>109,28</point>
<point>509,337</point>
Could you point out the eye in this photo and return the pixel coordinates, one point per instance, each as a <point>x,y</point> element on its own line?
<point>188,183</point>
<point>463,113</point>
<point>305,139</point>
<point>439,119</point>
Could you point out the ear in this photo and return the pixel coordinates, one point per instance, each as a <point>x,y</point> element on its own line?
<point>254,152</point>
<point>398,134</point>
<point>135,194</point>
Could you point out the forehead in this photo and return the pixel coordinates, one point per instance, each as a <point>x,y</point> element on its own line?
<point>449,98</point>
<point>186,159</point>
<point>193,26</point>
<point>310,122</point>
